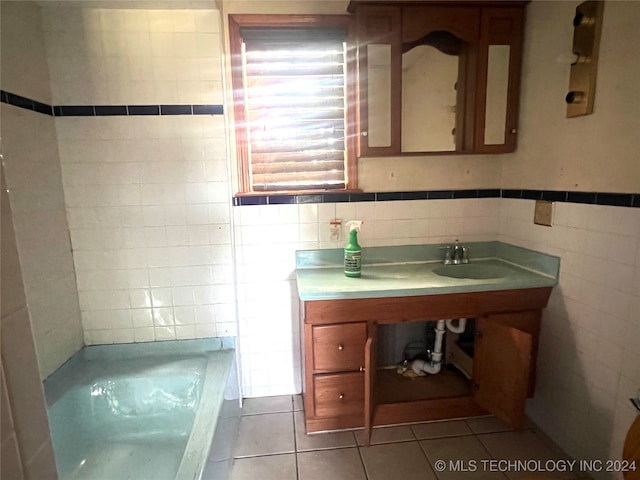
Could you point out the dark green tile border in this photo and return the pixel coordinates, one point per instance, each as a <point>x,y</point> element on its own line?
<point>594,198</point>
<point>107,110</point>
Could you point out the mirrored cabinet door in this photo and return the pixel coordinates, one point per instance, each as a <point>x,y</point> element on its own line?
<point>378,132</point>
<point>379,57</point>
<point>495,112</point>
<point>499,79</point>
<point>439,47</point>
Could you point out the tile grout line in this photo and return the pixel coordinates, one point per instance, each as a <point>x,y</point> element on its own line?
<point>424,453</point>
<point>258,455</point>
<point>364,467</point>
<point>295,438</point>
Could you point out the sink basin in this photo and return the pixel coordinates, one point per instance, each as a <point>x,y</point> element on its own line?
<point>475,271</point>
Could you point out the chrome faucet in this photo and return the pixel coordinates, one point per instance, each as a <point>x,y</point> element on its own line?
<point>456,254</point>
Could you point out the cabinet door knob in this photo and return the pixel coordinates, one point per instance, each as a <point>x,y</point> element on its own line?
<point>364,134</point>
<point>362,369</point>
<point>340,347</point>
<point>341,396</point>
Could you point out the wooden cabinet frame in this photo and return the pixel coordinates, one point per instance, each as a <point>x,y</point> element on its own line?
<point>479,24</point>
<point>508,324</point>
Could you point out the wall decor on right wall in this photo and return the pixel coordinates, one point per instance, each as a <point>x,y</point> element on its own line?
<point>587,26</point>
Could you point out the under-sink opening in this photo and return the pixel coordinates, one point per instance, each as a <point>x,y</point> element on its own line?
<point>398,343</point>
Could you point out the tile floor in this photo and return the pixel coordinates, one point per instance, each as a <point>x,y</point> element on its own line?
<point>272,445</point>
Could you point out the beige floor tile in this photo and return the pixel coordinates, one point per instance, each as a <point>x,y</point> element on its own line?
<point>257,406</point>
<point>342,464</point>
<point>297,403</point>
<point>549,442</point>
<point>452,428</point>
<point>459,458</point>
<point>265,435</point>
<point>387,435</point>
<point>395,461</point>
<point>218,470</point>
<point>320,441</point>
<point>487,425</point>
<point>525,446</point>
<point>273,467</point>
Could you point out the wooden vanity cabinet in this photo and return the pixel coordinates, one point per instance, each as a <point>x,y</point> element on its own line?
<point>504,364</point>
<point>485,36</point>
<point>334,375</point>
<point>341,384</point>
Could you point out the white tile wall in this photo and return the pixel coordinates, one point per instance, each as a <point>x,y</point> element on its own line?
<point>24,65</point>
<point>147,197</point>
<point>589,354</point>
<point>127,57</point>
<point>30,158</point>
<point>24,427</point>
<point>151,237</point>
<point>267,238</point>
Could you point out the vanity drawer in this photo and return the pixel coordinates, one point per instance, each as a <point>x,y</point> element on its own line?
<point>339,394</point>
<point>339,347</point>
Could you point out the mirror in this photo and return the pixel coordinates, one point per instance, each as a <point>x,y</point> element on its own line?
<point>430,76</point>
<point>429,79</point>
<point>495,114</point>
<point>379,95</point>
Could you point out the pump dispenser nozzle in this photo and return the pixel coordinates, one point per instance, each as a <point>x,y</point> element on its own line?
<point>354,225</point>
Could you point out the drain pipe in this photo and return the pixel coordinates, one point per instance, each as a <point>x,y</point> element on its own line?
<point>462,323</point>
<point>435,364</point>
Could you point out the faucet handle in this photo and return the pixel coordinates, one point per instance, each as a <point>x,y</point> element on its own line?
<point>447,260</point>
<point>465,254</point>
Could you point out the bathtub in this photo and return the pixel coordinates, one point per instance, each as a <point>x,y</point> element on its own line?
<point>163,410</point>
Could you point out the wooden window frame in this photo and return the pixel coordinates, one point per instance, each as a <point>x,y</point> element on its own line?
<point>238,21</point>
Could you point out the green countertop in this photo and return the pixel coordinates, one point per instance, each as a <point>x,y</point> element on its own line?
<point>409,271</point>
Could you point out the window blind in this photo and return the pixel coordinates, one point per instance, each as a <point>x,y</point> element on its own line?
<point>295,108</point>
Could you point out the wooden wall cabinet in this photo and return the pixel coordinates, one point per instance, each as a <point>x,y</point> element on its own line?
<point>437,76</point>
<point>345,388</point>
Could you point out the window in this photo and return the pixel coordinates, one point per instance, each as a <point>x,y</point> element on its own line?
<point>292,103</point>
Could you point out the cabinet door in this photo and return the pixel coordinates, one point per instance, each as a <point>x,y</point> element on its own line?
<point>498,84</point>
<point>501,367</point>
<point>379,69</point>
<point>369,382</point>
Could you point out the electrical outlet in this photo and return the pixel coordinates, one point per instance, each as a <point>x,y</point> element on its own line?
<point>543,213</point>
<point>335,230</point>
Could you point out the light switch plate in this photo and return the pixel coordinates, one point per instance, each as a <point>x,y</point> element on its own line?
<point>543,213</point>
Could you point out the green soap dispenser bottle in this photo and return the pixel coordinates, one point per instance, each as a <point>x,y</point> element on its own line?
<point>353,251</point>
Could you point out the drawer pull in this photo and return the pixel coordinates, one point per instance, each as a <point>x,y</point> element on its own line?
<point>340,347</point>
<point>341,396</point>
